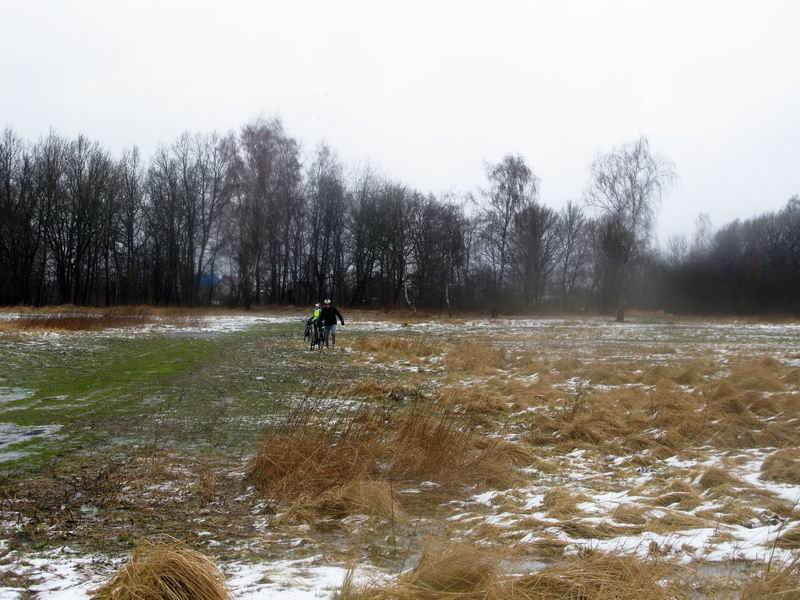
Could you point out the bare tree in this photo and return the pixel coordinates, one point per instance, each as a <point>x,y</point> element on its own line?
<point>573,250</point>
<point>21,221</point>
<point>512,186</point>
<point>213,156</point>
<point>626,187</point>
<point>535,244</point>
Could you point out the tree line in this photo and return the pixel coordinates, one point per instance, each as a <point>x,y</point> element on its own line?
<point>242,219</point>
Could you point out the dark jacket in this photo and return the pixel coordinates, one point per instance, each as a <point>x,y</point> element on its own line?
<point>329,315</point>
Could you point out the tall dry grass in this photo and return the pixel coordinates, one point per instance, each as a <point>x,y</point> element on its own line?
<point>165,571</point>
<point>782,582</point>
<point>392,348</point>
<point>323,460</point>
<point>463,571</point>
<point>782,466</point>
<point>729,412</point>
<point>75,318</point>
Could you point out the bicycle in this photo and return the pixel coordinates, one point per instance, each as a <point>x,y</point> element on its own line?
<point>316,336</point>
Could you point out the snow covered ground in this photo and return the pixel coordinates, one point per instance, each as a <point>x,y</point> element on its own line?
<point>752,541</point>
<point>597,481</point>
<point>65,574</point>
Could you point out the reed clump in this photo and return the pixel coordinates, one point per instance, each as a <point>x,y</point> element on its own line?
<point>331,463</point>
<point>76,318</point>
<point>392,348</point>
<point>782,466</point>
<point>165,571</point>
<point>462,571</point>
<point>790,539</point>
<point>780,582</point>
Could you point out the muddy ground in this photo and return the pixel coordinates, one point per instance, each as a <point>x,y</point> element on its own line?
<point>672,441</point>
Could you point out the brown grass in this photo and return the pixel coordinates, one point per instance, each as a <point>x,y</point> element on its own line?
<point>782,582</point>
<point>727,413</point>
<point>165,571</point>
<point>446,569</point>
<point>632,514</point>
<point>466,572</point>
<point>597,577</point>
<point>391,348</point>
<point>206,483</point>
<point>762,375</point>
<point>377,390</point>
<point>676,498</point>
<point>790,539</point>
<point>476,359</point>
<point>559,503</point>
<point>74,318</point>
<point>676,521</point>
<point>309,461</point>
<point>597,531</point>
<point>782,466</point>
<point>329,463</point>
<point>736,513</point>
<point>373,498</point>
<point>714,478</point>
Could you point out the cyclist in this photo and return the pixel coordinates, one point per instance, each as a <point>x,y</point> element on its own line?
<point>328,317</point>
<point>314,320</point>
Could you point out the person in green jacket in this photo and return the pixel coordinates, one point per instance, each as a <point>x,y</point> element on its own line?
<point>314,321</point>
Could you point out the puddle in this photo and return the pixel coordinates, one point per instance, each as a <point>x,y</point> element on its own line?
<point>153,400</point>
<point>9,394</point>
<point>11,433</point>
<point>7,456</point>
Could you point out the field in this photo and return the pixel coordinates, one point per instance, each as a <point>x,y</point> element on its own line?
<point>424,459</point>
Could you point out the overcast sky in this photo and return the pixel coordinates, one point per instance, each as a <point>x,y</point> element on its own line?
<point>429,90</point>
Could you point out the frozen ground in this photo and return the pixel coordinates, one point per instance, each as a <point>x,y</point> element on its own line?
<point>600,482</point>
<point>751,541</point>
<point>66,575</point>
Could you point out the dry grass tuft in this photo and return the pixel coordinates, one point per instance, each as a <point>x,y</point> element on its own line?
<point>792,377</point>
<point>597,531</point>
<point>478,359</point>
<point>452,569</point>
<point>466,572</point>
<point>434,444</point>
<point>445,570</point>
<point>391,348</point>
<point>676,521</point>
<point>74,318</point>
<point>689,376</point>
<point>596,577</point>
<point>790,539</point>
<point>165,572</point>
<point>736,513</point>
<point>672,498</point>
<point>559,503</point>
<point>782,466</point>
<point>632,514</point>
<point>206,483</point>
<point>327,463</point>
<point>762,375</point>
<point>310,461</point>
<point>362,496</point>
<point>783,582</point>
<point>371,389</point>
<point>714,477</point>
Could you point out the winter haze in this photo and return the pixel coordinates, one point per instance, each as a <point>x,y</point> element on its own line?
<point>428,91</point>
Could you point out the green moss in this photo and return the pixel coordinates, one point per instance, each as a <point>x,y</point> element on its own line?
<point>188,393</point>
